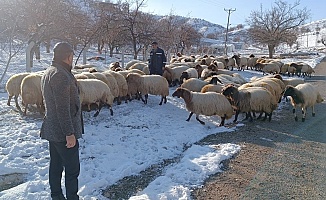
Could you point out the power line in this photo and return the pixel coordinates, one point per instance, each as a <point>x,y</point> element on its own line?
<point>227,28</point>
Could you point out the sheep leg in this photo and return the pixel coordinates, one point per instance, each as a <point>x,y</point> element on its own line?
<point>222,120</point>
<point>25,111</point>
<point>313,111</point>
<point>260,114</point>
<point>236,116</point>
<point>295,114</point>
<point>98,111</point>
<point>253,114</point>
<point>111,111</point>
<point>16,102</point>
<point>197,117</point>
<point>250,117</point>
<point>161,100</point>
<point>119,100</point>
<point>146,97</point>
<point>9,99</point>
<point>190,115</point>
<point>304,111</point>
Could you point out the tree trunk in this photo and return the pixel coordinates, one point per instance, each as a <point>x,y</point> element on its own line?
<point>111,48</point>
<point>47,46</point>
<point>270,50</point>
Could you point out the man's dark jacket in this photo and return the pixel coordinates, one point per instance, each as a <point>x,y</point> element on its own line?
<point>157,61</point>
<point>62,104</point>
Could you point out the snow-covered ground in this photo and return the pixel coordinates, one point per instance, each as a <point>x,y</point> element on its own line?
<point>136,137</point>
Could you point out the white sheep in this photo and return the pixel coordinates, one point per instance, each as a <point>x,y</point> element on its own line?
<point>30,90</point>
<point>188,73</point>
<point>252,61</point>
<point>195,84</point>
<point>252,99</point>
<point>234,78</point>
<point>230,63</point>
<point>94,91</point>
<point>212,88</point>
<point>292,81</point>
<point>200,69</point>
<point>113,84</point>
<point>122,84</point>
<point>307,70</point>
<point>273,85</point>
<point>13,87</point>
<point>271,68</point>
<point>141,66</point>
<point>241,62</point>
<point>138,71</point>
<point>222,59</point>
<point>132,62</point>
<point>148,84</point>
<point>220,65</point>
<point>209,103</point>
<point>172,75</point>
<point>303,95</point>
<point>80,76</point>
<point>224,79</point>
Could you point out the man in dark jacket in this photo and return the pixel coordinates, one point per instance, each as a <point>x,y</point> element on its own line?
<point>62,125</point>
<point>157,60</point>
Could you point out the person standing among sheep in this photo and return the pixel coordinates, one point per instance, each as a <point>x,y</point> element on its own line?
<point>157,60</point>
<point>62,125</point>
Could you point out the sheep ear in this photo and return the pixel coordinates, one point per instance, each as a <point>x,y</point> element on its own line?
<point>186,95</point>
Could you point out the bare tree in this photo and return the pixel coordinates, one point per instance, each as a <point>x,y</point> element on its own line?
<point>188,36</point>
<point>132,20</point>
<point>11,36</point>
<point>275,26</point>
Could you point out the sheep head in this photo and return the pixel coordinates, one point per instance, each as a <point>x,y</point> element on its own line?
<point>183,93</point>
<point>278,76</point>
<point>229,90</point>
<point>214,80</point>
<point>297,96</point>
<point>184,75</point>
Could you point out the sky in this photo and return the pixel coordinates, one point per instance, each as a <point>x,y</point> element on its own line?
<point>136,137</point>
<point>213,10</point>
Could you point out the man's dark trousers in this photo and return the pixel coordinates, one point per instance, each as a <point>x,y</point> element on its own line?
<point>63,158</point>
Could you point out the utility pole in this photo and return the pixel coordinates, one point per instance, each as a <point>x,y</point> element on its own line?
<point>227,29</point>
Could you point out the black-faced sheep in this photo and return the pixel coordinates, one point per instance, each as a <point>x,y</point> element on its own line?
<point>188,73</point>
<point>271,68</point>
<point>115,65</point>
<point>13,87</point>
<point>148,84</point>
<point>172,74</point>
<point>303,95</point>
<point>241,62</point>
<point>230,63</point>
<point>253,99</point>
<point>208,104</point>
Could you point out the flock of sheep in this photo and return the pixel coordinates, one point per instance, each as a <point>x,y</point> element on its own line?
<point>208,85</point>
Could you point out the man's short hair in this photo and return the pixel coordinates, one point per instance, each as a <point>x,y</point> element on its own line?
<point>61,51</point>
<point>154,43</point>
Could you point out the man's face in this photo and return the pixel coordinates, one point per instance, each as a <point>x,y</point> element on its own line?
<point>154,46</point>
<point>71,58</point>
